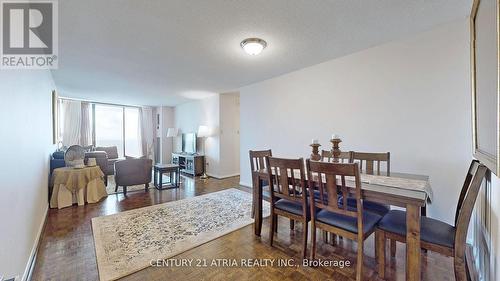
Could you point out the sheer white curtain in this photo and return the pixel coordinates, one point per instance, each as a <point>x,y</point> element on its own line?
<point>71,122</point>
<point>147,134</point>
<point>86,126</point>
<point>75,123</point>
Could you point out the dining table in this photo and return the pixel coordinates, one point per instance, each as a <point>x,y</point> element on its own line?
<point>409,191</point>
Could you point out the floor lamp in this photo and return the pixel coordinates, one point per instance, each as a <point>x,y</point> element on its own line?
<point>204,132</point>
<point>172,133</point>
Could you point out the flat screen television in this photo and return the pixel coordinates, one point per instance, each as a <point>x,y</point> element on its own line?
<point>189,143</point>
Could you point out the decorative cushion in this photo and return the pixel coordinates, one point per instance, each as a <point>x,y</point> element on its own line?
<point>348,223</point>
<point>431,230</point>
<point>112,151</point>
<point>290,206</point>
<point>58,155</point>
<point>369,206</point>
<point>89,148</point>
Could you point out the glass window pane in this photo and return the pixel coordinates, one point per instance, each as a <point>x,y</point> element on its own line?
<point>109,126</point>
<point>133,145</point>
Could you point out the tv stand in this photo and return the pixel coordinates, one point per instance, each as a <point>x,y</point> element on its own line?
<point>189,163</point>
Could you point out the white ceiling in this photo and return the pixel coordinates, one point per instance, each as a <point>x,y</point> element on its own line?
<point>166,52</point>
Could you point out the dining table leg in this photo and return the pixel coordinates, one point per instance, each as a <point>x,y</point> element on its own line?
<point>257,194</point>
<point>412,242</point>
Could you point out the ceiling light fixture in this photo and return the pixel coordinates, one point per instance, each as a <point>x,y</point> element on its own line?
<point>253,46</point>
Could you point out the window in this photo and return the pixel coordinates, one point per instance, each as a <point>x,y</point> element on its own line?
<point>133,145</point>
<point>109,126</point>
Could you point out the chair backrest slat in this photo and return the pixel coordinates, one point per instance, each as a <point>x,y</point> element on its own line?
<point>327,156</point>
<point>328,177</point>
<point>370,160</point>
<point>258,159</point>
<point>468,178</point>
<point>287,179</point>
<point>467,199</point>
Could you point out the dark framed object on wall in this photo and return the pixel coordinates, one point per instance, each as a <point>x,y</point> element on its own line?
<point>55,117</point>
<point>484,23</point>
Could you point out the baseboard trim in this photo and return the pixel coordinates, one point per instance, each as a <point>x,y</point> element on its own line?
<point>28,271</point>
<point>219,177</point>
<point>245,184</point>
<point>471,268</point>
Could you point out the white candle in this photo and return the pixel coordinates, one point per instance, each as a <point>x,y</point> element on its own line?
<point>315,141</point>
<point>335,136</point>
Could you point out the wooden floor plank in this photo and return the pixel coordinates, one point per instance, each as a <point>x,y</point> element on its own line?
<point>67,252</point>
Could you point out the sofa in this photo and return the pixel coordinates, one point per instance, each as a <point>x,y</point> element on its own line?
<point>133,171</point>
<point>112,153</point>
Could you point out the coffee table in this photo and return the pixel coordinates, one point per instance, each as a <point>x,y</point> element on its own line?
<point>160,169</point>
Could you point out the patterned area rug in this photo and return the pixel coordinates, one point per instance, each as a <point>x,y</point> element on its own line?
<point>128,241</point>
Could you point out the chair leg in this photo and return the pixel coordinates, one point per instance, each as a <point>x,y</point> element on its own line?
<point>253,204</point>
<point>304,239</point>
<point>380,252</point>
<point>116,188</point>
<point>292,224</point>
<point>459,267</point>
<point>272,227</point>
<point>324,233</point>
<point>393,248</point>
<point>333,238</point>
<point>275,223</point>
<point>146,187</point>
<point>313,240</point>
<point>125,190</point>
<point>359,265</point>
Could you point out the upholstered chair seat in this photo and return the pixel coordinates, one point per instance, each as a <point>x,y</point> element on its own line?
<point>431,230</point>
<point>369,206</point>
<point>291,207</point>
<point>348,223</point>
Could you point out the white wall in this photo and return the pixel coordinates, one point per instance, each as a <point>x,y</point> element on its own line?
<point>229,135</point>
<point>221,113</point>
<point>26,143</point>
<point>189,116</point>
<point>167,120</point>
<point>410,97</point>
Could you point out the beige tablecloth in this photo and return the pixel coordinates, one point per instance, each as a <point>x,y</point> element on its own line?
<point>76,186</point>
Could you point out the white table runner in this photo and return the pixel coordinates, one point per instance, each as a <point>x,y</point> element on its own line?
<point>403,183</point>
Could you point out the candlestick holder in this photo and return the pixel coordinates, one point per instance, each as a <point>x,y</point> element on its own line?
<point>315,151</point>
<point>335,149</point>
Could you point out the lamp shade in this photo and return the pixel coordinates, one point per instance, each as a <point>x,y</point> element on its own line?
<point>172,132</point>
<point>203,131</point>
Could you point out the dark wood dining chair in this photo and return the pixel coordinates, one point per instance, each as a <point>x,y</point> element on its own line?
<point>436,235</point>
<point>327,214</point>
<point>257,163</point>
<point>288,194</point>
<point>372,163</point>
<point>367,162</point>
<point>327,156</point>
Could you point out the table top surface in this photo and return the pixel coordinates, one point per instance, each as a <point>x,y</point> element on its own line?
<point>417,195</point>
<point>72,169</point>
<point>166,166</point>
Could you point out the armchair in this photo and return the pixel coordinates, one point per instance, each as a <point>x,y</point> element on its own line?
<point>133,172</point>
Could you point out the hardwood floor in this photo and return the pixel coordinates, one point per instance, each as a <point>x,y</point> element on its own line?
<point>66,250</point>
